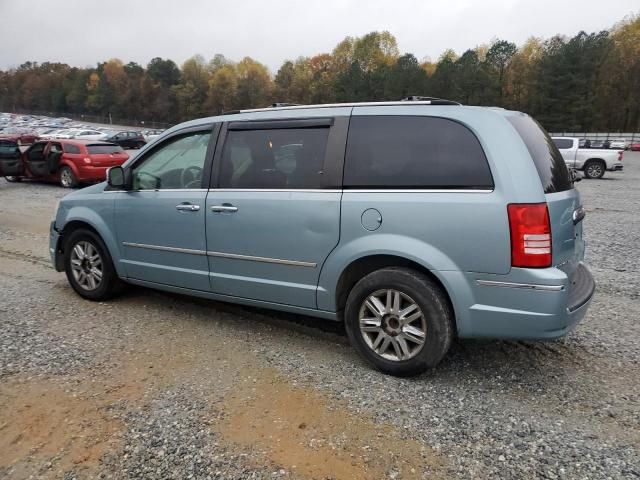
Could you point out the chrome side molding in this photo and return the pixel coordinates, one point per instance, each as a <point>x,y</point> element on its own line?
<point>234,256</point>
<point>530,286</point>
<point>252,258</point>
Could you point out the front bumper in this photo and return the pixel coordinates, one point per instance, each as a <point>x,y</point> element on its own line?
<point>531,304</point>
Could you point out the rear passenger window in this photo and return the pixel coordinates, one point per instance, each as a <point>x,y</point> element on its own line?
<point>414,152</point>
<point>287,158</point>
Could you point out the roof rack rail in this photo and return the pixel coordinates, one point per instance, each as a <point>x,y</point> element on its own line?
<point>431,100</point>
<point>283,104</point>
<point>231,112</point>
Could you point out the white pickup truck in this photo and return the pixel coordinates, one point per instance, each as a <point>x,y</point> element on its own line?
<point>592,161</point>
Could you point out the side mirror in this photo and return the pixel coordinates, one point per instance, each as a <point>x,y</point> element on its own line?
<point>115,177</point>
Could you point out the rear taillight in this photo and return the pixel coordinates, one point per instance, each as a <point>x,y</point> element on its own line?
<point>530,235</point>
<point>620,155</point>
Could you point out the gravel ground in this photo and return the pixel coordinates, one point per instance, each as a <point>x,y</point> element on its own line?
<point>153,385</point>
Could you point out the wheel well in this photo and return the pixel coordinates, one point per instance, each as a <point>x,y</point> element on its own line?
<point>365,265</point>
<point>591,160</point>
<point>71,227</point>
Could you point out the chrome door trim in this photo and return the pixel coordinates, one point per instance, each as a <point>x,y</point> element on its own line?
<point>303,190</point>
<point>531,286</point>
<point>158,190</point>
<point>165,249</point>
<point>354,190</point>
<point>415,190</point>
<point>252,258</point>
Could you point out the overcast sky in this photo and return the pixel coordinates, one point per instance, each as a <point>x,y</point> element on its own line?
<point>84,32</point>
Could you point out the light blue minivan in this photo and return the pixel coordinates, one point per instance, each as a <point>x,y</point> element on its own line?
<point>413,222</point>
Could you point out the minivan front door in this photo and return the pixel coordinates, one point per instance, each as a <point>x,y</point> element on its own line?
<point>160,222</point>
<point>274,215</point>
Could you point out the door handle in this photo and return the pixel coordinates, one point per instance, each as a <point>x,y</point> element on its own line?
<point>224,208</point>
<point>187,207</point>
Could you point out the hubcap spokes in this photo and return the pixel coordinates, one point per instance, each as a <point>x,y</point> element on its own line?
<point>86,265</point>
<point>392,325</point>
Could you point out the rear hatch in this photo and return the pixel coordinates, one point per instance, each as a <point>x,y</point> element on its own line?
<point>106,154</point>
<point>563,200</point>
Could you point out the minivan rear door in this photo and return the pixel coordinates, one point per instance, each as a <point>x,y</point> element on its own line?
<point>273,214</point>
<point>563,200</point>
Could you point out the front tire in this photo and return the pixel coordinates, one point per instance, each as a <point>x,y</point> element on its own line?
<point>399,321</point>
<point>68,178</point>
<point>594,169</point>
<point>89,267</point>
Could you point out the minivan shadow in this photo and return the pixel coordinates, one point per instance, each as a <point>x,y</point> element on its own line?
<point>538,363</point>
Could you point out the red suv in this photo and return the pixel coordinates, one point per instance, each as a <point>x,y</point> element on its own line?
<point>69,162</point>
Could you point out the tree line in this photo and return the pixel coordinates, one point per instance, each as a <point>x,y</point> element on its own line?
<point>589,82</point>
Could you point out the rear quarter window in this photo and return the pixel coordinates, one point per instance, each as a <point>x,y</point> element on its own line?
<point>548,160</point>
<point>104,149</point>
<point>414,152</point>
<point>69,148</point>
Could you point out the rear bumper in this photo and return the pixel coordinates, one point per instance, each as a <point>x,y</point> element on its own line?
<point>526,304</point>
<point>92,174</point>
<point>616,168</point>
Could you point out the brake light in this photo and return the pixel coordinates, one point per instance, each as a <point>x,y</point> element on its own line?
<point>620,155</point>
<point>87,160</point>
<point>530,235</point>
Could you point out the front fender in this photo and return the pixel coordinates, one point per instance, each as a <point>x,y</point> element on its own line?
<point>408,248</point>
<point>100,218</point>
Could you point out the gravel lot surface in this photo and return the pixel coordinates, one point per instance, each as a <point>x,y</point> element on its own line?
<point>157,386</point>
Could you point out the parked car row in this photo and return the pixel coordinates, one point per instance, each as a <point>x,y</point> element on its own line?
<point>614,144</point>
<point>26,129</point>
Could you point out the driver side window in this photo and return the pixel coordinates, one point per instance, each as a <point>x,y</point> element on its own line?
<point>177,164</point>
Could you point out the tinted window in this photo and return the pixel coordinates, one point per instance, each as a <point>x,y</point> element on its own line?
<point>552,170</point>
<point>104,149</point>
<point>69,148</point>
<point>563,143</point>
<point>36,152</point>
<point>278,158</point>
<point>177,163</point>
<point>413,152</point>
<point>9,149</point>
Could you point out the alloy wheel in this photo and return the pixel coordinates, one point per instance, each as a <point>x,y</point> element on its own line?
<point>65,178</point>
<point>392,325</point>
<point>594,170</point>
<point>86,265</point>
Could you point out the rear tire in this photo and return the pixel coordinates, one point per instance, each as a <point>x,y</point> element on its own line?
<point>89,266</point>
<point>594,169</point>
<point>402,333</point>
<point>68,178</point>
